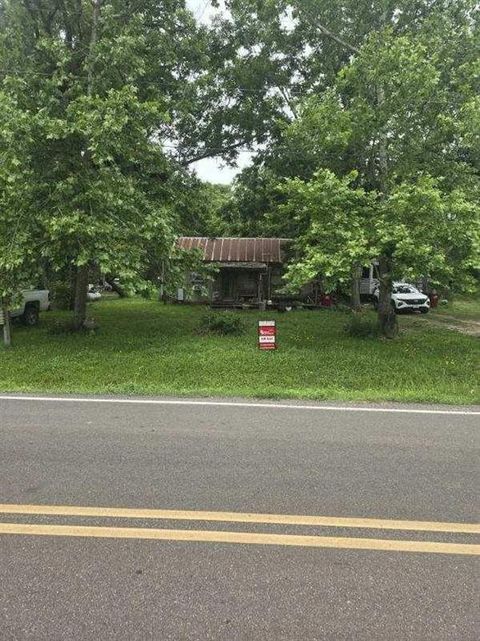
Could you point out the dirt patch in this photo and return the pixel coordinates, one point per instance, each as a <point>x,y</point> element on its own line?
<point>469,327</point>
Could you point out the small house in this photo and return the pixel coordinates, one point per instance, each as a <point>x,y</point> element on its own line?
<point>249,269</point>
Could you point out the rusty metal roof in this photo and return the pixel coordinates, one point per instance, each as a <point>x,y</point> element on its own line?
<point>236,250</point>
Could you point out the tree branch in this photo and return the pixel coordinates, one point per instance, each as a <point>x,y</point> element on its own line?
<point>288,101</point>
<point>337,39</point>
<point>96,4</point>
<point>211,152</point>
<point>31,12</point>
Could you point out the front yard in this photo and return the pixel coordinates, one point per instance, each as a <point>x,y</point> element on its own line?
<point>144,347</point>
<point>462,308</point>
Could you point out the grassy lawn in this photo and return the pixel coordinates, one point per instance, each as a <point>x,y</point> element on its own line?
<point>143,347</point>
<point>462,308</point>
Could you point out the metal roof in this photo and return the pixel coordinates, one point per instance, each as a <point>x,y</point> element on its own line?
<point>236,250</point>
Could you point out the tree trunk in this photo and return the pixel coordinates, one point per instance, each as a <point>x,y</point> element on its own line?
<point>355,302</point>
<point>80,304</point>
<point>161,293</point>
<point>425,285</point>
<point>7,334</point>
<point>82,275</point>
<point>93,41</point>
<point>387,319</point>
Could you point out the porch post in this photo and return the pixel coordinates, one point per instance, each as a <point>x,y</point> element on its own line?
<point>261,303</point>
<point>210,291</point>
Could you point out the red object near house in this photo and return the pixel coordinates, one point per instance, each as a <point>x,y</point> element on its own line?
<point>326,300</point>
<point>267,335</point>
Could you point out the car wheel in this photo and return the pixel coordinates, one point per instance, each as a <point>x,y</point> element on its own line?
<point>424,311</point>
<point>30,316</point>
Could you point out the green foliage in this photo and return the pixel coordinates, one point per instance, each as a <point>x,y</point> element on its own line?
<point>148,292</point>
<point>223,323</point>
<point>421,227</point>
<point>396,174</point>
<point>336,236</point>
<point>18,227</point>
<point>201,208</point>
<point>361,325</point>
<point>84,193</point>
<point>427,54</point>
<point>98,127</point>
<point>254,196</point>
<point>62,296</point>
<point>102,112</point>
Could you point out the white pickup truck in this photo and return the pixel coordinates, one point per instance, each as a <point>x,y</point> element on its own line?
<point>33,302</point>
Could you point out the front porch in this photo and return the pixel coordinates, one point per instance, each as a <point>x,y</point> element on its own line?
<point>241,285</point>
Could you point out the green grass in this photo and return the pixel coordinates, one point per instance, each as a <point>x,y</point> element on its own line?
<point>462,308</point>
<point>144,347</point>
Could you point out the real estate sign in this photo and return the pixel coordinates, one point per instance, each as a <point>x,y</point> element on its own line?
<point>267,334</point>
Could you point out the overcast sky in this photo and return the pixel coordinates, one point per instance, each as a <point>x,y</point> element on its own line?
<point>212,169</point>
<point>201,8</point>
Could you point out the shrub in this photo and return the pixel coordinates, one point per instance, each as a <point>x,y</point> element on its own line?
<point>223,323</point>
<point>149,292</point>
<point>361,326</point>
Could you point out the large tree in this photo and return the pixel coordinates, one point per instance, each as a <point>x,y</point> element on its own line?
<point>112,89</point>
<point>283,52</point>
<point>394,131</point>
<point>387,89</point>
<point>19,237</point>
<point>417,229</point>
<point>268,56</point>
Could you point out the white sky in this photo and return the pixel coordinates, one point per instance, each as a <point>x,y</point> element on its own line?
<point>202,9</point>
<point>213,169</point>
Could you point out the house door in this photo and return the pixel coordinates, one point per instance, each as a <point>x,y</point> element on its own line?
<point>228,284</point>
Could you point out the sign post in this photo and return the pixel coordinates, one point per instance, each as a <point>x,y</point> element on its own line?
<point>267,334</point>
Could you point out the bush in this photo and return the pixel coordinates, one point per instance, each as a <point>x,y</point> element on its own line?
<point>223,323</point>
<point>361,326</point>
<point>149,292</point>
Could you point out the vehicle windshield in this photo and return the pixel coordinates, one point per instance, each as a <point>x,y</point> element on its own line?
<point>405,289</point>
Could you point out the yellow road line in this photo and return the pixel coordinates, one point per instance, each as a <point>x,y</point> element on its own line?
<point>247,538</point>
<point>240,517</point>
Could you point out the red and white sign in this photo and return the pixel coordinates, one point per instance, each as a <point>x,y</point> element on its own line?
<point>267,334</point>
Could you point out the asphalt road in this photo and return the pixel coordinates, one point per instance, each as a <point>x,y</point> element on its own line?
<point>61,582</point>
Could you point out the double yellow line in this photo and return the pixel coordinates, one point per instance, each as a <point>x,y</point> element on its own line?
<point>252,538</point>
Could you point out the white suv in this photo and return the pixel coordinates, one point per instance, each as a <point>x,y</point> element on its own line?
<point>406,297</point>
